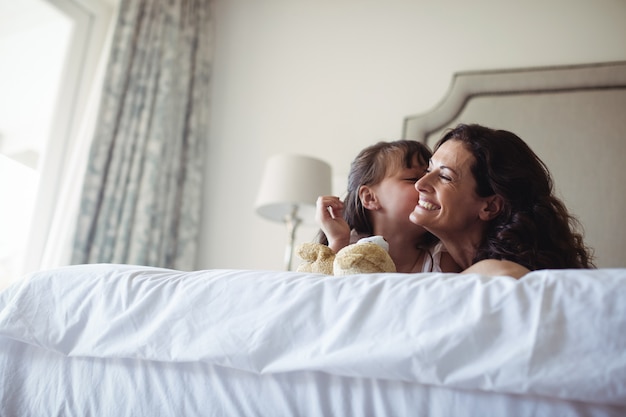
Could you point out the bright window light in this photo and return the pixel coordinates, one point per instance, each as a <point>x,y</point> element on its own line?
<point>34,38</point>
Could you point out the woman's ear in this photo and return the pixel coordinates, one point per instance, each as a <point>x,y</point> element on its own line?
<point>492,207</point>
<point>368,198</point>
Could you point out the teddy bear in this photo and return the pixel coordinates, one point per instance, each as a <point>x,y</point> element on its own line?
<point>368,255</point>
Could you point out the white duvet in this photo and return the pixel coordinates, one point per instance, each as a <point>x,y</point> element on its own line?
<point>555,336</point>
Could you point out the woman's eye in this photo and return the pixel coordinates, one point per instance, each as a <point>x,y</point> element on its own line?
<point>445,177</point>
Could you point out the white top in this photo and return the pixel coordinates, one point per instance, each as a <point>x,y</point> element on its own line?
<point>432,263</point>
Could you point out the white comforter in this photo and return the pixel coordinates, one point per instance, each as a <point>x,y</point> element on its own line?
<point>559,335</point>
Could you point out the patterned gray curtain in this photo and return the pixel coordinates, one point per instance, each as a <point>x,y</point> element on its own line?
<point>141,198</point>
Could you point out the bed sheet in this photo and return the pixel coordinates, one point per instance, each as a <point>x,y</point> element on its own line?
<point>134,340</point>
<point>38,382</point>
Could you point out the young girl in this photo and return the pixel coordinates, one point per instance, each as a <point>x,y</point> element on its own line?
<point>380,197</point>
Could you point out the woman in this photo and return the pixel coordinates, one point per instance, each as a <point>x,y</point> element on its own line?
<point>381,194</point>
<point>489,198</point>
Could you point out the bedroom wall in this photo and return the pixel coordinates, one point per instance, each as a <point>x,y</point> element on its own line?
<point>329,77</point>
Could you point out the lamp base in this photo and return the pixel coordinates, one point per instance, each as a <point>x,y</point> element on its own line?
<point>292,221</point>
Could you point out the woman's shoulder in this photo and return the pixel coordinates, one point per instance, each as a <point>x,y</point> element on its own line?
<point>495,267</point>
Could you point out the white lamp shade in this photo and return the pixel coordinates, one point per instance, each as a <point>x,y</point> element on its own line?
<point>292,180</point>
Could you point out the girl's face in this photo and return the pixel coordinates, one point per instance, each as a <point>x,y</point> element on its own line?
<point>448,203</point>
<point>396,193</point>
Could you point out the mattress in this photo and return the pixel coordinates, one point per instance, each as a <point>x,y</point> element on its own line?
<point>132,340</point>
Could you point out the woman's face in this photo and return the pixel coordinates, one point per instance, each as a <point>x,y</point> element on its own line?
<point>448,204</point>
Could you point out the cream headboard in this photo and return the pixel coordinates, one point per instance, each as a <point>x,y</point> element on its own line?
<point>573,117</point>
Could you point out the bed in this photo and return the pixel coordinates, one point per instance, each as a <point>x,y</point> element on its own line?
<point>120,340</point>
<point>131,340</point>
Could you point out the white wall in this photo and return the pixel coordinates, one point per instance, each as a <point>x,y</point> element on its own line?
<point>329,77</point>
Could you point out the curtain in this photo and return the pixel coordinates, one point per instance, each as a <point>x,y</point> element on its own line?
<point>141,196</point>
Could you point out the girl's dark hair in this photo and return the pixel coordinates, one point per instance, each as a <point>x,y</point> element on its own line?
<point>534,227</point>
<point>370,167</point>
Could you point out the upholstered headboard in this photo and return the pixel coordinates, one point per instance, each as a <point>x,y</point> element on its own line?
<point>574,118</point>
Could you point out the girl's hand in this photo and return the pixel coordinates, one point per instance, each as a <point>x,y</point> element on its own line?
<point>329,214</point>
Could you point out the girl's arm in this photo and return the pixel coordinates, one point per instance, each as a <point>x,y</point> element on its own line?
<point>329,214</point>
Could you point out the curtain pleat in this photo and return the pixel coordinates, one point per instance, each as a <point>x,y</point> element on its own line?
<point>141,198</point>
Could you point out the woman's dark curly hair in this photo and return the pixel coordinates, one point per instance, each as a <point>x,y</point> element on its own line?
<point>534,227</point>
<point>370,167</point>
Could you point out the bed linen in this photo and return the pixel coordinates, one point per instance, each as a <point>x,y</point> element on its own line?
<point>133,340</point>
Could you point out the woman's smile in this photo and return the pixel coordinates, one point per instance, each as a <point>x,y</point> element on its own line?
<point>428,205</point>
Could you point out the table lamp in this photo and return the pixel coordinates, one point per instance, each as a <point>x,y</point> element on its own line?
<point>289,189</point>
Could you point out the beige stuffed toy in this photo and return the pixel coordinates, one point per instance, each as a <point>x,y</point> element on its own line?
<point>368,255</point>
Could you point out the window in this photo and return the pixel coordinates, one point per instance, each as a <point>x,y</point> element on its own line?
<point>49,52</point>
